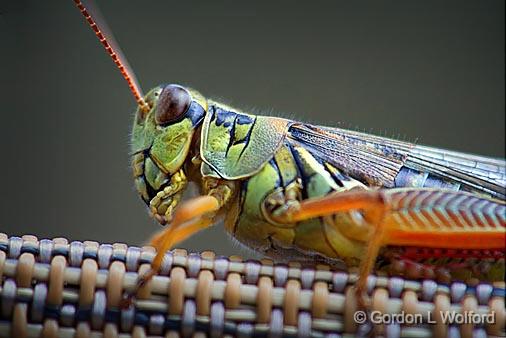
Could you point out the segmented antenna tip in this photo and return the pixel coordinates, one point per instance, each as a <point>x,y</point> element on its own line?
<point>116,55</point>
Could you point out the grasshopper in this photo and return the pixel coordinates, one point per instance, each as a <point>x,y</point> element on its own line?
<point>289,189</point>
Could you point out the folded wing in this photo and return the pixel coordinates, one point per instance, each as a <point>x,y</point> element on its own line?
<point>379,161</point>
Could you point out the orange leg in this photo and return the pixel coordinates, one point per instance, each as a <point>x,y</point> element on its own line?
<point>368,262</point>
<point>375,205</point>
<point>191,217</point>
<point>194,209</point>
<point>185,231</point>
<point>371,201</point>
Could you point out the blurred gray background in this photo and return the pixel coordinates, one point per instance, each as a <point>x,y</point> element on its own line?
<point>429,71</point>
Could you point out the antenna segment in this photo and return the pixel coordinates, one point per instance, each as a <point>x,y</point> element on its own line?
<point>112,48</point>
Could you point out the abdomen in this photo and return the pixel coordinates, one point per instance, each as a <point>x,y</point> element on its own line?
<point>445,219</point>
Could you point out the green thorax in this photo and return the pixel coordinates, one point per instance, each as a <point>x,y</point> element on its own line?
<point>236,145</point>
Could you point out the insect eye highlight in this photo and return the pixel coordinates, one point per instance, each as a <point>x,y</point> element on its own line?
<point>173,102</point>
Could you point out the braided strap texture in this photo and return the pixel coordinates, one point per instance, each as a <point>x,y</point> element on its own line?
<point>57,288</point>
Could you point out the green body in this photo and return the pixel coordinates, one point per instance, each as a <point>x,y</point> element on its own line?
<point>252,151</point>
<point>271,164</point>
<point>303,239</point>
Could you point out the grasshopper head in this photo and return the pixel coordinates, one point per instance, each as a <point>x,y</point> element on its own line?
<point>161,140</point>
<point>163,129</point>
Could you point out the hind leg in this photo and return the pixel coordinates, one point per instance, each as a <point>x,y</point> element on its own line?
<point>375,205</point>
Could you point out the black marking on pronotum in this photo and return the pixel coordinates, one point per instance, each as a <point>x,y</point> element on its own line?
<point>243,119</point>
<point>223,117</point>
<point>231,132</point>
<point>247,138</point>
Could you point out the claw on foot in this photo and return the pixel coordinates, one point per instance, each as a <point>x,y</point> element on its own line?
<point>363,300</point>
<point>127,300</point>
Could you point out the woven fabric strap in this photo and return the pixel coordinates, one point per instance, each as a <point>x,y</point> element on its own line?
<point>57,288</point>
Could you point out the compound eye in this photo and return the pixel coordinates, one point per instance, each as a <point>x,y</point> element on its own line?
<point>173,102</point>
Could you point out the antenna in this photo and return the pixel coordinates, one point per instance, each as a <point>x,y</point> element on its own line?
<point>107,40</point>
